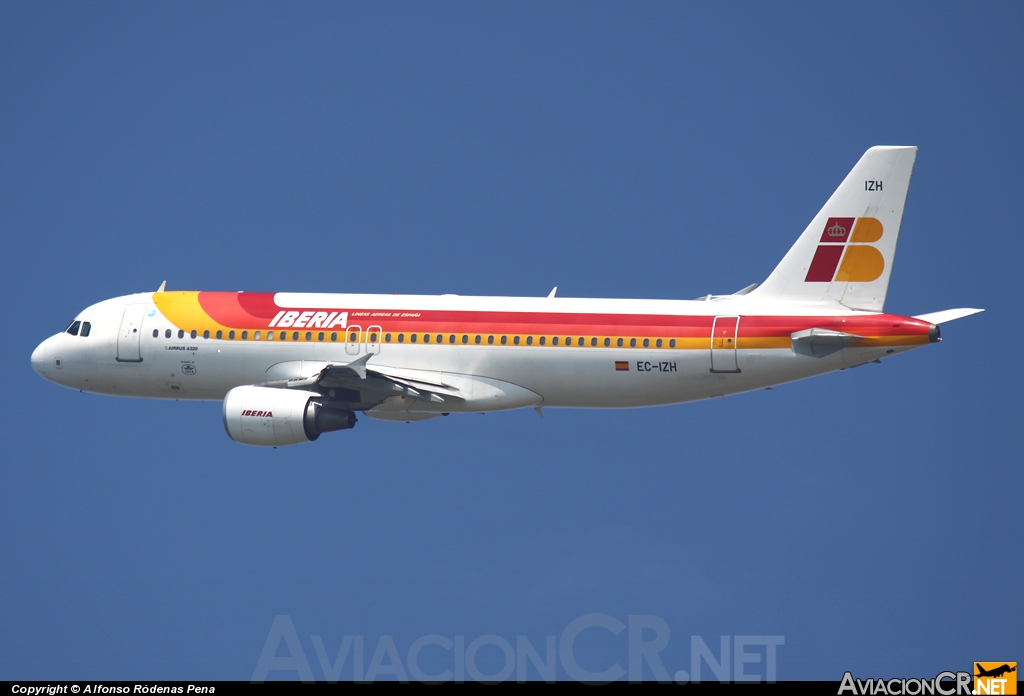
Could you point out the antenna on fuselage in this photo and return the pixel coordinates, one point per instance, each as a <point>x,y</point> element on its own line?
<point>163,286</point>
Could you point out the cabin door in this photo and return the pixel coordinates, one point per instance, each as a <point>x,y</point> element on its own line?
<point>723,344</point>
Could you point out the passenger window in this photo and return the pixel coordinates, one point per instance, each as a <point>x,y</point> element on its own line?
<point>412,337</point>
<point>167,333</point>
<point>256,336</point>
<point>554,341</point>
<point>373,337</point>
<point>353,337</point>
<point>647,343</point>
<point>504,340</point>
<point>607,342</point>
<point>477,339</point>
<point>593,342</point>
<point>440,338</point>
<point>401,338</point>
<point>86,328</point>
<point>220,334</point>
<point>320,336</point>
<point>451,339</point>
<point>193,334</point>
<point>544,338</point>
<point>181,333</point>
<point>529,340</point>
<point>490,340</point>
<point>245,335</point>
<point>658,343</point>
<point>580,342</point>
<point>516,340</point>
<point>465,338</point>
<point>73,329</point>
<point>619,343</point>
<point>334,335</point>
<point>632,343</point>
<point>206,333</point>
<point>156,333</point>
<point>295,335</point>
<point>672,343</point>
<point>283,335</point>
<point>231,335</point>
<point>309,335</point>
<point>426,338</point>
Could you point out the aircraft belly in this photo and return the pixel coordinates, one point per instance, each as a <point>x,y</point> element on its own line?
<point>490,377</point>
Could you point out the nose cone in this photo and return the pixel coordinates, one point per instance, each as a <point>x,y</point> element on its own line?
<point>43,358</point>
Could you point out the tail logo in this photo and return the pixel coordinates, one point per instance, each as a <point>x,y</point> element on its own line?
<point>861,261</point>
<point>836,230</point>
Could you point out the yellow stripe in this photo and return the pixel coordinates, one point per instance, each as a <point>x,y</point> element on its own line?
<point>184,311</point>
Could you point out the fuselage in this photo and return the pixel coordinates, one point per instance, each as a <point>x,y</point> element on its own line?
<point>550,352</point>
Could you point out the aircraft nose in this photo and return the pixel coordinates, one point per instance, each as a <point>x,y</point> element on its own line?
<point>43,358</point>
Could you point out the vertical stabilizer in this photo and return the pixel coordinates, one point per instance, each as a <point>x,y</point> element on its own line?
<point>845,255</point>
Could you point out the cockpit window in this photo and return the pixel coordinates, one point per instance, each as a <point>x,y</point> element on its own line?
<point>73,329</point>
<point>86,328</point>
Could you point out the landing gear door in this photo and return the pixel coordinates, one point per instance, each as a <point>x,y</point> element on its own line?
<point>723,344</point>
<point>353,337</point>
<point>373,340</point>
<point>130,334</point>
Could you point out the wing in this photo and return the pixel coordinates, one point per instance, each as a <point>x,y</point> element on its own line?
<point>364,386</point>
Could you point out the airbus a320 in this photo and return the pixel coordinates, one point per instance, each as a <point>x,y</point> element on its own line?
<point>291,366</point>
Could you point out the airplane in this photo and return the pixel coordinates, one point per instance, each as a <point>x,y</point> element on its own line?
<point>292,366</point>
<point>995,671</point>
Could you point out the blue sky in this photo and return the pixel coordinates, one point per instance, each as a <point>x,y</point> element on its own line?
<point>663,150</point>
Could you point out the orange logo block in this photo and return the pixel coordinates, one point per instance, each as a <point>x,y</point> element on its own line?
<point>848,239</point>
<point>995,678</point>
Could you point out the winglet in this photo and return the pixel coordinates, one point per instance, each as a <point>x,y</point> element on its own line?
<point>163,286</point>
<point>553,291</point>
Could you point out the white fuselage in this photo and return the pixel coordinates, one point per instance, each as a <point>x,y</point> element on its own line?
<point>151,354</point>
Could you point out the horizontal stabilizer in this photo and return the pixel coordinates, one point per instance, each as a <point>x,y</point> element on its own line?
<point>947,315</point>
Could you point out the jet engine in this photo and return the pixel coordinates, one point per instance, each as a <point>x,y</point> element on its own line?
<point>270,417</point>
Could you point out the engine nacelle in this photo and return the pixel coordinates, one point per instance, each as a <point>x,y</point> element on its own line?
<point>273,417</point>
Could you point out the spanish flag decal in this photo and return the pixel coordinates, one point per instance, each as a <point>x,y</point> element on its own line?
<point>622,366</point>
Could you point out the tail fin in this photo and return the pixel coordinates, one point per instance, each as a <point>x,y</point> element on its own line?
<point>845,255</point>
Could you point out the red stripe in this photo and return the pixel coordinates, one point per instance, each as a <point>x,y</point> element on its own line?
<point>254,310</point>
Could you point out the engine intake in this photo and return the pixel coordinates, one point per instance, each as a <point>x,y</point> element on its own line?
<point>268,417</point>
